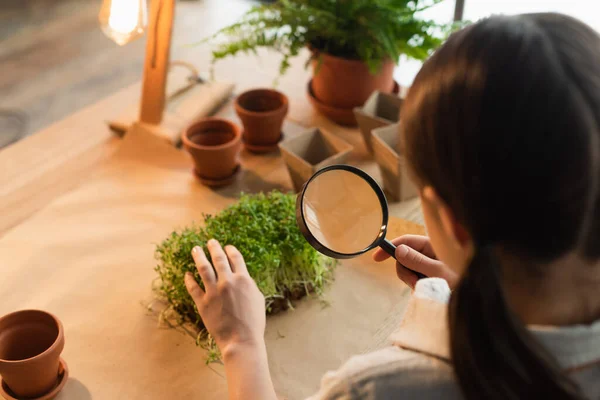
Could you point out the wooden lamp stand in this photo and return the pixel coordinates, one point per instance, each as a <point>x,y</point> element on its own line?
<point>166,110</point>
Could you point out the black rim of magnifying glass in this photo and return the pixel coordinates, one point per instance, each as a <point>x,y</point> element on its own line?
<point>318,245</point>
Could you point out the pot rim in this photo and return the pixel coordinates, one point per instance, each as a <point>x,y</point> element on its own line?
<point>52,347</point>
<point>316,53</point>
<point>233,128</point>
<point>242,110</point>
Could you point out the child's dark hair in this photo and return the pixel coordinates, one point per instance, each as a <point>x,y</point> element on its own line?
<point>503,121</point>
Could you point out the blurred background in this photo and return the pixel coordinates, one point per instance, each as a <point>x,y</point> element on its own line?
<point>54,59</point>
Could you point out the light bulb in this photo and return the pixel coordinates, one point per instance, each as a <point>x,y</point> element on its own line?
<point>123,20</point>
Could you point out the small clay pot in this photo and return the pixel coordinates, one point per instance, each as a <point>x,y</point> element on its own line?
<point>344,84</point>
<point>30,345</point>
<point>215,145</point>
<point>262,112</point>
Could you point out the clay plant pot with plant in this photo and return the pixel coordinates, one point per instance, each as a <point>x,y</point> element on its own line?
<point>354,44</point>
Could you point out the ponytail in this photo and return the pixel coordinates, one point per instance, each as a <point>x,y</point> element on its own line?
<point>494,356</point>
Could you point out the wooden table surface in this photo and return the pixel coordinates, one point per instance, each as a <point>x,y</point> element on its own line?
<point>88,258</point>
<point>50,162</point>
<point>41,167</point>
<point>44,173</point>
<point>38,170</point>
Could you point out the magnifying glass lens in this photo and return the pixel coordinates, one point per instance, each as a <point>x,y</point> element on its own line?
<point>342,211</point>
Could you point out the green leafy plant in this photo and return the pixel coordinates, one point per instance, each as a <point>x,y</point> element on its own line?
<point>263,228</point>
<point>367,30</point>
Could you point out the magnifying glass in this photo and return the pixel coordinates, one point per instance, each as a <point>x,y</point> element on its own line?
<point>343,213</point>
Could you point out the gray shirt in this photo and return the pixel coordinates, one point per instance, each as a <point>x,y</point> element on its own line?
<point>417,365</point>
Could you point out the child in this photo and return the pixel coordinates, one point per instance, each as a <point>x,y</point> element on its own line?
<point>501,133</point>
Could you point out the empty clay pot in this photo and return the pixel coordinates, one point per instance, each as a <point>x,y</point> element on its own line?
<point>30,345</point>
<point>345,84</point>
<point>215,145</point>
<point>262,112</point>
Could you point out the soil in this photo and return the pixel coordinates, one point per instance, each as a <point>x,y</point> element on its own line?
<point>295,294</point>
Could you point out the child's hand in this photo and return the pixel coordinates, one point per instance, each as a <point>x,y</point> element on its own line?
<point>415,252</point>
<point>231,306</point>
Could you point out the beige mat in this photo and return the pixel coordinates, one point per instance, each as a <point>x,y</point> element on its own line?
<point>88,258</point>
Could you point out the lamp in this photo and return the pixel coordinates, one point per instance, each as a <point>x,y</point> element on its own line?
<point>124,21</point>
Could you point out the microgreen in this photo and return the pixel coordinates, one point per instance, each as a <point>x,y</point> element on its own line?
<point>263,228</point>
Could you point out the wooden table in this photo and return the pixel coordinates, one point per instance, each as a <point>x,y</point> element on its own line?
<point>37,171</point>
<point>41,167</point>
<point>88,258</point>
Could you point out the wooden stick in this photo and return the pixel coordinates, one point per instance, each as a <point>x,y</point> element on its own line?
<point>156,66</point>
<point>459,8</point>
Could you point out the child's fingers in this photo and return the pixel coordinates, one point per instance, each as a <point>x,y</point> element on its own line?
<point>418,262</point>
<point>406,275</point>
<point>206,271</point>
<point>417,242</point>
<point>219,260</point>
<point>236,260</point>
<point>193,288</point>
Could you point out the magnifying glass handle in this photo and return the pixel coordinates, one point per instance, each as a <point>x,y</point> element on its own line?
<point>390,248</point>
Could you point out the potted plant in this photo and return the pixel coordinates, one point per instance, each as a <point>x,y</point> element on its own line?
<point>354,44</point>
<point>263,228</point>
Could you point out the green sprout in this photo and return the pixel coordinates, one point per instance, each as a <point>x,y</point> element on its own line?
<point>368,30</point>
<point>263,228</point>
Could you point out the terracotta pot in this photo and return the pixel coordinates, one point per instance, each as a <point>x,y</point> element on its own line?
<point>215,145</point>
<point>381,109</point>
<point>262,112</point>
<point>343,83</point>
<point>30,345</point>
<point>341,116</point>
<point>311,151</point>
<point>391,162</point>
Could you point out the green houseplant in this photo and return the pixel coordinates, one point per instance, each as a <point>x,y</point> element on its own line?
<point>263,227</point>
<point>354,43</point>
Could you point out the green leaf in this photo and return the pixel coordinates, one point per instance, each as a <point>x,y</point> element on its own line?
<point>368,30</point>
<point>263,228</point>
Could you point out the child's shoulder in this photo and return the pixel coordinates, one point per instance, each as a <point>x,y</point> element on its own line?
<point>391,373</point>
<point>417,366</point>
